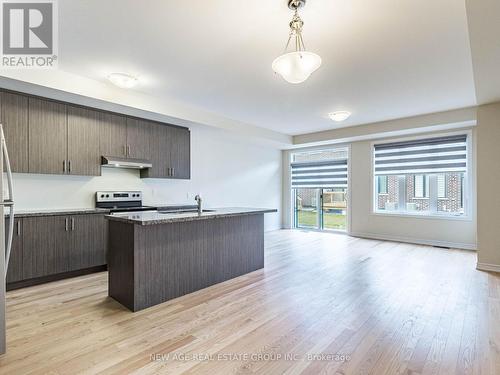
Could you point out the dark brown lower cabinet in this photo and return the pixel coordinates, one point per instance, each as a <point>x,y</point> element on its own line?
<point>15,270</point>
<point>87,241</point>
<point>45,242</point>
<point>51,245</point>
<point>151,264</point>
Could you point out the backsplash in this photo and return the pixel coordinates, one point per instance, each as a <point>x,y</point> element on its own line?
<point>49,191</point>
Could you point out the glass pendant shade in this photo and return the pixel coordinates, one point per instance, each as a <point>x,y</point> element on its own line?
<point>296,67</point>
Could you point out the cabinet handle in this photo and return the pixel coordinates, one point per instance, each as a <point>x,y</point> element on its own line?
<point>66,224</point>
<point>64,166</point>
<point>18,228</point>
<point>72,223</point>
<point>128,150</point>
<point>173,172</point>
<point>69,166</point>
<point>124,150</point>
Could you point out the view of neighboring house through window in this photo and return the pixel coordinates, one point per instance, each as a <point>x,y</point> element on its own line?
<point>425,176</point>
<point>441,185</point>
<point>421,186</point>
<point>382,184</point>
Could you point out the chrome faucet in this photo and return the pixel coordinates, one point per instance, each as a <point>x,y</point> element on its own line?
<point>198,200</point>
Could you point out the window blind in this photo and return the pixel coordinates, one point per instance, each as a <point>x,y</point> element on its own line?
<point>424,156</point>
<point>320,174</point>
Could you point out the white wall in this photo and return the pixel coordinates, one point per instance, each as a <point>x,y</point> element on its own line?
<point>488,180</point>
<point>226,169</point>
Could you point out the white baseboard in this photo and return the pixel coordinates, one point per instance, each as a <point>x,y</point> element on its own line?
<point>488,267</point>
<point>418,241</point>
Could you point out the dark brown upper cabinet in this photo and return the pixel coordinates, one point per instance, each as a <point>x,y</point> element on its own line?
<point>113,135</point>
<point>180,152</point>
<point>83,158</point>
<point>48,136</point>
<point>159,152</point>
<point>139,133</point>
<point>170,153</point>
<point>63,139</point>
<point>14,118</point>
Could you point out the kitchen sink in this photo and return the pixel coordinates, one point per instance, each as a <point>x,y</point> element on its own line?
<point>182,212</point>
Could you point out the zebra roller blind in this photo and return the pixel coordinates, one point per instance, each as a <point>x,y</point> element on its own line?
<point>424,156</point>
<point>320,174</point>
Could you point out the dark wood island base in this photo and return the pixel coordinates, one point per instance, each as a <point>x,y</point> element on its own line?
<point>151,264</point>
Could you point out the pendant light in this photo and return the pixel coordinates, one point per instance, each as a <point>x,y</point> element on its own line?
<point>296,66</point>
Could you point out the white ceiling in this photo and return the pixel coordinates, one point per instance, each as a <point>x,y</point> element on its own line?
<point>382,59</point>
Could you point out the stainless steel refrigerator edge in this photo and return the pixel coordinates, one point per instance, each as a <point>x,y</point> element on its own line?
<point>5,246</point>
<point>2,261</point>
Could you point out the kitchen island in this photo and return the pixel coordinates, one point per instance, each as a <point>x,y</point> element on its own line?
<point>154,257</point>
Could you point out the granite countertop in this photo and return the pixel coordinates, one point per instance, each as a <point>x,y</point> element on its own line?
<point>57,212</point>
<point>83,211</point>
<point>155,217</point>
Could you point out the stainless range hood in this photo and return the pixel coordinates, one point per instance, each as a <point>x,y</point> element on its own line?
<point>117,162</point>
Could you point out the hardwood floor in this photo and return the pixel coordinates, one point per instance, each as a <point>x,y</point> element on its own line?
<point>332,304</point>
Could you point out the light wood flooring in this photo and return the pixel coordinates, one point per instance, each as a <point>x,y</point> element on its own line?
<point>324,304</point>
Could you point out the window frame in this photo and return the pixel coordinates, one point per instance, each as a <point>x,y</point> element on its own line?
<point>467,191</point>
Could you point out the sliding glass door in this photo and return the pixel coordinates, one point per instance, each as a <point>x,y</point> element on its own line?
<point>334,209</point>
<point>319,189</point>
<point>307,208</point>
<point>320,209</point>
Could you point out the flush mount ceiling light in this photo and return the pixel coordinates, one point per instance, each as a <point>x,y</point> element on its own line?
<point>296,66</point>
<point>123,80</point>
<point>339,115</point>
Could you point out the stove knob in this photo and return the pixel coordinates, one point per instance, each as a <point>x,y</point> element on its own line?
<point>102,195</point>
<point>107,195</point>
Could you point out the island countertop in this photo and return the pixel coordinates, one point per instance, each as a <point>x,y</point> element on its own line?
<point>157,217</point>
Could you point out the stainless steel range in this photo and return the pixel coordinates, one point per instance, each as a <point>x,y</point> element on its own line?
<point>121,201</point>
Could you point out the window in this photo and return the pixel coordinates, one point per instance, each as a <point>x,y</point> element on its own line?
<point>441,187</point>
<point>450,198</point>
<point>382,184</point>
<point>421,186</point>
<point>425,177</point>
<point>388,198</point>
